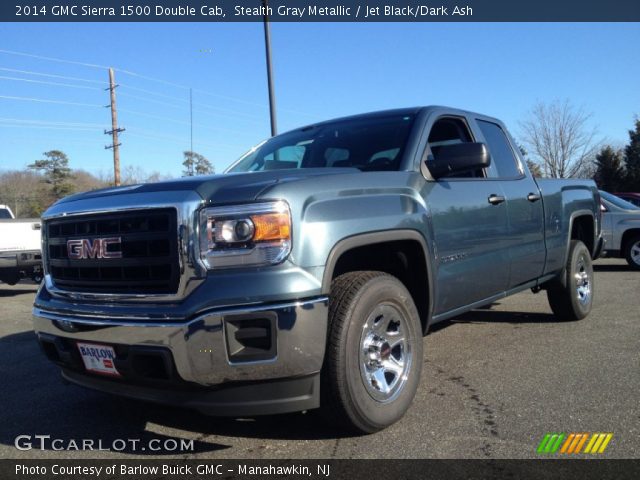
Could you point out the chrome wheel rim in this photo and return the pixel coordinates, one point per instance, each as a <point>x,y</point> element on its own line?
<point>635,253</point>
<point>385,353</point>
<point>582,280</point>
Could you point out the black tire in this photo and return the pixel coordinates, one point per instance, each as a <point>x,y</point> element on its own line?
<point>632,252</point>
<point>571,295</point>
<point>381,302</point>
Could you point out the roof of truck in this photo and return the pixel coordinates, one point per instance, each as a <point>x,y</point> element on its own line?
<point>393,112</point>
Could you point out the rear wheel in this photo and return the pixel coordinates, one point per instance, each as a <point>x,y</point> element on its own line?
<point>374,351</point>
<point>571,295</point>
<point>632,252</point>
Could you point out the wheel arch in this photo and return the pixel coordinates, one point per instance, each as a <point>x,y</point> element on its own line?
<point>413,269</point>
<point>627,236</point>
<point>582,227</point>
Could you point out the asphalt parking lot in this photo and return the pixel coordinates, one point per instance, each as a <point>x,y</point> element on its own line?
<point>494,382</point>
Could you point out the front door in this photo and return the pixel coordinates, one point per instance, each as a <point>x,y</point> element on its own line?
<point>470,228</point>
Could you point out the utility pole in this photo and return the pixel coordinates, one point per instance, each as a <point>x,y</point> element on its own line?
<point>267,46</point>
<point>114,129</point>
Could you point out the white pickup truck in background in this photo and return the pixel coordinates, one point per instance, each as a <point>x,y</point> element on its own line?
<point>20,248</point>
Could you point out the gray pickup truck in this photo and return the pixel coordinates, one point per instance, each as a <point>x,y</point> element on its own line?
<point>308,273</point>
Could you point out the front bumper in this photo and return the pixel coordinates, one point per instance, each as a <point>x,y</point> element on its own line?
<point>260,359</point>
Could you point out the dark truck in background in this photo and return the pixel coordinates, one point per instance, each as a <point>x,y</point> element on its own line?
<point>308,273</point>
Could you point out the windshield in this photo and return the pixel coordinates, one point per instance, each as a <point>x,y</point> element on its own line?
<point>370,144</point>
<point>4,213</point>
<point>618,202</point>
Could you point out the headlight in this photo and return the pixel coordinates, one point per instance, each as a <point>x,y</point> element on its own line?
<point>245,235</point>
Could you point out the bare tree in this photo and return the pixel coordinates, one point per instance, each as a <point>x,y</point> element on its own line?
<point>25,193</point>
<point>560,138</point>
<point>132,175</point>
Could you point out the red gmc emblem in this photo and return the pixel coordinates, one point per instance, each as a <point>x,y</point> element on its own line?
<point>81,248</point>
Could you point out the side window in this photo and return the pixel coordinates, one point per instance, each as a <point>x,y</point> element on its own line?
<point>285,157</point>
<point>501,154</point>
<point>449,131</point>
<point>337,157</point>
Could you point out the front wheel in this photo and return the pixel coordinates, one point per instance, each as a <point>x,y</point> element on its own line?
<point>374,351</point>
<point>571,295</point>
<point>632,252</point>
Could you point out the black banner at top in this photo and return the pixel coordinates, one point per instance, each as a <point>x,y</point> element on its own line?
<point>320,11</point>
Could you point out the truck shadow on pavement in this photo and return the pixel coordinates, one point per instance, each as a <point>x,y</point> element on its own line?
<point>36,401</point>
<point>501,316</point>
<point>609,267</point>
<point>485,315</point>
<point>12,291</point>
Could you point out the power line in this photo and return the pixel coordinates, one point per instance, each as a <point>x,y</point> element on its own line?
<point>54,140</point>
<point>124,71</point>
<point>133,132</point>
<point>48,122</point>
<point>184,100</point>
<point>200,107</point>
<point>223,111</point>
<point>144,90</point>
<point>158,117</point>
<point>52,59</point>
<point>203,108</point>
<point>44,100</point>
<point>48,127</point>
<point>41,74</point>
<point>44,82</point>
<point>180,122</point>
<point>152,79</point>
<point>152,100</point>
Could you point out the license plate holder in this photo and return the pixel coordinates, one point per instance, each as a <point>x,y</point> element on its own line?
<point>98,358</point>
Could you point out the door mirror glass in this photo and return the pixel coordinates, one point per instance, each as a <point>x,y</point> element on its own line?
<point>450,160</point>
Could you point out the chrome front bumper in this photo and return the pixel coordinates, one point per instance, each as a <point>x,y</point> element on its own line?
<point>200,347</point>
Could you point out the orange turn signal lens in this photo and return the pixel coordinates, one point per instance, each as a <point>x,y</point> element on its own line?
<point>271,226</point>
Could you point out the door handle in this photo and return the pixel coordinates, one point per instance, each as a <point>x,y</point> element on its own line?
<point>533,197</point>
<point>496,199</point>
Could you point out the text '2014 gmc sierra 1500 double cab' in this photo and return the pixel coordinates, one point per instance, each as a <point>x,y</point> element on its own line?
<point>307,274</point>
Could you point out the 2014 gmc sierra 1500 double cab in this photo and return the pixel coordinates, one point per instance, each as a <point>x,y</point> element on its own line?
<point>308,273</point>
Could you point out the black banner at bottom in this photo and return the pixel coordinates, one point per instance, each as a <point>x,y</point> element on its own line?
<point>207,469</point>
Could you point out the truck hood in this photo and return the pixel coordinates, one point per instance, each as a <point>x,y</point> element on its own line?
<point>225,188</point>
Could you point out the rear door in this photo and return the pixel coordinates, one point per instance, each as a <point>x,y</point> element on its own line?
<point>469,224</point>
<point>525,238</point>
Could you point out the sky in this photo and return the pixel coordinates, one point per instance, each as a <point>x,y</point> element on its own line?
<point>321,71</point>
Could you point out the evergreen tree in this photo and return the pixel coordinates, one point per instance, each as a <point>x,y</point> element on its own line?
<point>632,159</point>
<point>188,164</point>
<point>203,166</point>
<point>609,172</point>
<point>534,168</point>
<point>196,164</point>
<point>57,173</point>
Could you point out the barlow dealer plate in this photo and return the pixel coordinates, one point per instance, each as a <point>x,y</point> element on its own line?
<point>98,358</point>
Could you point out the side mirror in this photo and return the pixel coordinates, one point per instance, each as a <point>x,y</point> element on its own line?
<point>458,158</point>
